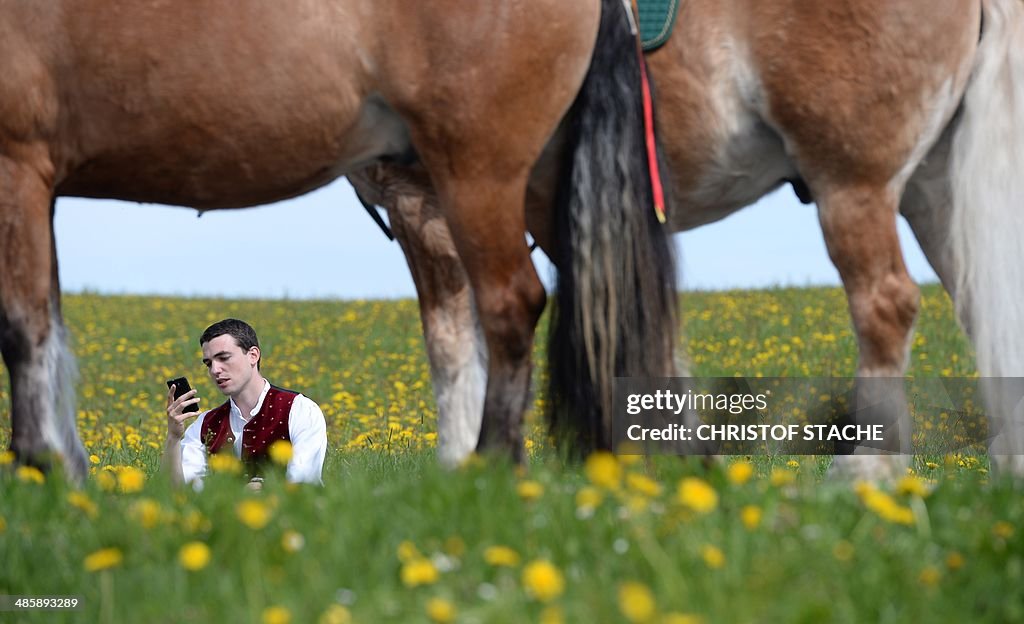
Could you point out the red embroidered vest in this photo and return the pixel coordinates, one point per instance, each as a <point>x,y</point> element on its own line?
<point>269,425</point>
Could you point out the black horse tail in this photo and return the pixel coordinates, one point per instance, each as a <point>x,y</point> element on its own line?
<point>615,312</point>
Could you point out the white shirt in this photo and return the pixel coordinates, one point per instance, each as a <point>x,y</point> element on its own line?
<point>306,428</point>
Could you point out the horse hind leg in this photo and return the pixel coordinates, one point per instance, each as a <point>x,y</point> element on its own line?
<point>479,307</point>
<point>508,299</point>
<point>32,334</point>
<point>859,224</point>
<point>454,339</point>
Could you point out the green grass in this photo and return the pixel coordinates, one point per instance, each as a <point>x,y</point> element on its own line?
<point>822,552</point>
<point>792,567</point>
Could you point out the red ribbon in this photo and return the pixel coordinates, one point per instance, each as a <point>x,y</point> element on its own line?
<point>652,147</point>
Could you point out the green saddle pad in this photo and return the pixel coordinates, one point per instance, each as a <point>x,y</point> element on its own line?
<point>657,17</point>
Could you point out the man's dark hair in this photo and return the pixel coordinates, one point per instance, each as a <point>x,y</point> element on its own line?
<point>242,332</point>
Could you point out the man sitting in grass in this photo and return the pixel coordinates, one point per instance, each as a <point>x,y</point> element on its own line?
<point>255,416</point>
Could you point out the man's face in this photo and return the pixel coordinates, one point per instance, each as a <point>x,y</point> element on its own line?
<point>229,366</point>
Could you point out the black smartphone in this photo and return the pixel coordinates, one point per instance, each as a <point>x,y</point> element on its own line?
<point>181,387</point>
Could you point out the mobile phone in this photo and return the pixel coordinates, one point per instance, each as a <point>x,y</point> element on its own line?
<point>181,387</point>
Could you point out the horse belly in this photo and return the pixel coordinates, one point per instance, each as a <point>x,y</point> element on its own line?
<point>217,105</point>
<point>744,167</point>
<point>722,159</point>
<point>244,164</point>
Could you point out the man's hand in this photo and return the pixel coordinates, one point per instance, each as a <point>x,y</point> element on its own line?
<point>176,416</point>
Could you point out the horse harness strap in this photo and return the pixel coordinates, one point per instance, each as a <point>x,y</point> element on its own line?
<point>371,209</point>
<point>657,19</point>
<point>650,141</point>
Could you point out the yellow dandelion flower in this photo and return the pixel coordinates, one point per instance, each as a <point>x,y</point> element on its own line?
<point>740,472</point>
<point>280,452</point>
<point>636,602</point>
<point>407,551</point>
<point>793,464</point>
<point>277,615</point>
<point>529,490</point>
<point>698,495</point>
<point>107,481</point>
<point>6,458</point>
<point>954,561</point>
<point>94,460</point>
<point>843,551</point>
<point>419,572</point>
<point>103,559</point>
<point>603,470</point>
<point>130,480</point>
<point>543,580</point>
<point>1002,529</point>
<point>146,512</point>
<point>713,556</point>
<point>588,498</point>
<point>253,513</point>
<point>901,515</point>
<point>83,503</point>
<point>440,610</point>
<point>781,477</point>
<point>629,453</point>
<point>930,576</point>
<point>912,486</point>
<point>30,474</point>
<point>193,521</point>
<point>931,465</point>
<point>887,508</point>
<point>336,614</point>
<point>292,541</point>
<point>194,556</point>
<point>861,488</point>
<point>501,556</point>
<point>681,618</point>
<point>225,463</point>
<point>642,484</point>
<point>750,516</point>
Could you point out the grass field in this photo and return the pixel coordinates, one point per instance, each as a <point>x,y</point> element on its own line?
<point>391,537</point>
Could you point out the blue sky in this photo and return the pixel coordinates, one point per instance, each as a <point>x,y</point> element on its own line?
<point>324,245</point>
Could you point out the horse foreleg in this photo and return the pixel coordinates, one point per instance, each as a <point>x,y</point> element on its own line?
<point>859,224</point>
<point>32,334</point>
<point>454,340</point>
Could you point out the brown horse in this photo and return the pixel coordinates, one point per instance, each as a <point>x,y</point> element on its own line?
<point>222,105</point>
<point>871,108</point>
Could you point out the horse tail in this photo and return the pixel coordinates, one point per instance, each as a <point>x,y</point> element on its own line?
<point>987,185</point>
<point>614,313</point>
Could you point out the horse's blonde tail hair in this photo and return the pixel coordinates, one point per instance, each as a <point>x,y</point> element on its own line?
<point>987,225</point>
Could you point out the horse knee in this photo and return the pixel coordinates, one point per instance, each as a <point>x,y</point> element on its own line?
<point>884,316</point>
